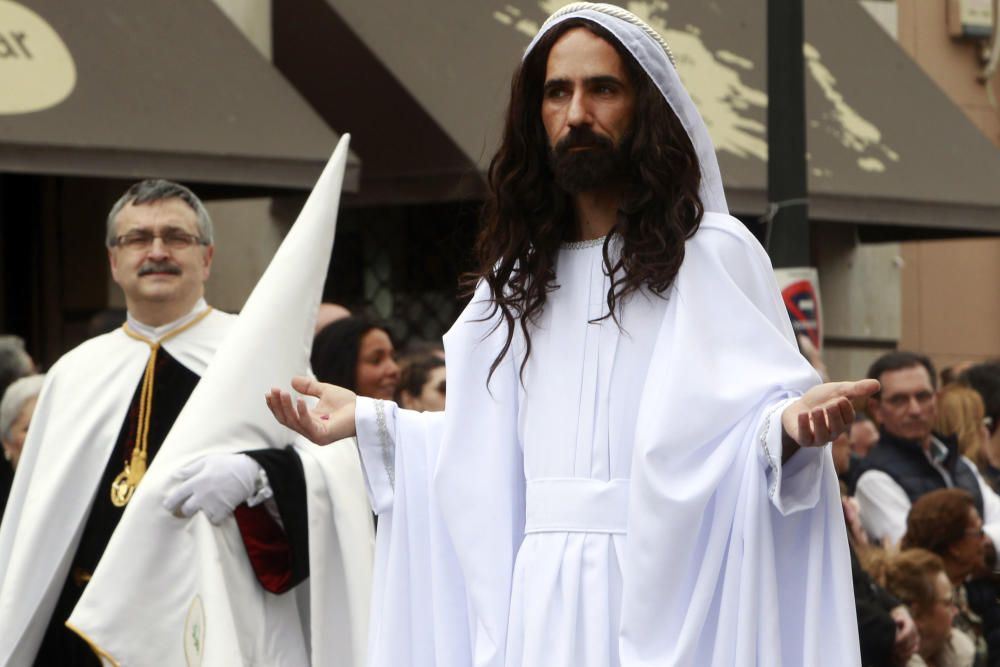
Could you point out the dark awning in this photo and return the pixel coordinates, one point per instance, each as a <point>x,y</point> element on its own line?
<point>132,88</point>
<point>886,146</point>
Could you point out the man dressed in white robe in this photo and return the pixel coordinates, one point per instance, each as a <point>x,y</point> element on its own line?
<point>103,412</point>
<point>630,468</point>
<point>231,585</point>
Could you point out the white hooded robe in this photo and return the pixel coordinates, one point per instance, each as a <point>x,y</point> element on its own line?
<point>626,504</point>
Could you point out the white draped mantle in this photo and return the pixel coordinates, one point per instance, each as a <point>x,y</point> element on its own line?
<point>75,426</point>
<point>722,557</point>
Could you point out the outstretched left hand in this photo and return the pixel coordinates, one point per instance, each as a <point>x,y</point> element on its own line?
<point>824,412</point>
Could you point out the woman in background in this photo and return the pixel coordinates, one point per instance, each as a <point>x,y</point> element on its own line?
<point>961,414</point>
<point>357,352</point>
<point>917,577</point>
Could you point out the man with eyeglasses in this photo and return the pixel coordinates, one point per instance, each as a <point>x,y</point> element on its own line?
<point>911,460</point>
<point>104,411</point>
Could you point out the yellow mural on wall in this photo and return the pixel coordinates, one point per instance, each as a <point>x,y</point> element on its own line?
<point>36,69</point>
<point>846,124</point>
<point>731,107</point>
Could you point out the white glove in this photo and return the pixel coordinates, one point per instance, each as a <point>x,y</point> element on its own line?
<point>216,484</point>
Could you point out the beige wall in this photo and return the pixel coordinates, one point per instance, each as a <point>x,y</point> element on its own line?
<point>951,297</point>
<point>951,302</point>
<point>954,65</point>
<point>860,291</point>
<point>253,17</point>
<point>246,238</point>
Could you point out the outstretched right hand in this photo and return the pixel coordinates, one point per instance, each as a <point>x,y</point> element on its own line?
<point>330,420</point>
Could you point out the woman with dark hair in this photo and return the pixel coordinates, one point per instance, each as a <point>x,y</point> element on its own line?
<point>357,353</point>
<point>422,384</point>
<point>946,522</point>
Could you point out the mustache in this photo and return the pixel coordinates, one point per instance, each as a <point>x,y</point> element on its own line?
<point>159,267</point>
<point>582,137</point>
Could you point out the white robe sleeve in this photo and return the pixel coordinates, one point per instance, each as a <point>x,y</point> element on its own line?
<point>418,613</point>
<point>747,562</point>
<point>375,421</point>
<point>792,486</point>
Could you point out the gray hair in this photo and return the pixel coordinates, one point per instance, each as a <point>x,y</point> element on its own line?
<point>17,394</point>
<point>14,360</point>
<point>154,190</point>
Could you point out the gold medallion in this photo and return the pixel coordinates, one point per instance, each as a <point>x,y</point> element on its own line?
<point>128,479</point>
<point>122,489</point>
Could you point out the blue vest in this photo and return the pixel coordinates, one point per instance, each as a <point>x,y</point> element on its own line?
<point>905,462</point>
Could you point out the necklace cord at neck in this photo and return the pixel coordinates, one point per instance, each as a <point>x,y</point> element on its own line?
<point>125,483</point>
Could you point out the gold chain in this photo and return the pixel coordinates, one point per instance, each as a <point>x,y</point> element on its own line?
<point>128,479</point>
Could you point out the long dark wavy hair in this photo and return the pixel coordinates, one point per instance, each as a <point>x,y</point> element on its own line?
<point>527,216</point>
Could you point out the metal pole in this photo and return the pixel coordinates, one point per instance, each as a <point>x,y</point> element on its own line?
<point>787,189</point>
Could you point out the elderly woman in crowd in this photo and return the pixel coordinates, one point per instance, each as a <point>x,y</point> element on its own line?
<point>422,384</point>
<point>918,578</point>
<point>947,523</point>
<point>16,408</point>
<point>961,414</point>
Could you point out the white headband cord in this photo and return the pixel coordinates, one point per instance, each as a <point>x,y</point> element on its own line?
<point>616,12</point>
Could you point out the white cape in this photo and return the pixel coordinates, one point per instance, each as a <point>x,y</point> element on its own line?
<point>76,423</point>
<point>172,591</point>
<point>731,558</point>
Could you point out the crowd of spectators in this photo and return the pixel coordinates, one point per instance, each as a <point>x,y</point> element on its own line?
<point>919,479</point>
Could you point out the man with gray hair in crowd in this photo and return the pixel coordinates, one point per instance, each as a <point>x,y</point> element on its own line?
<point>15,362</point>
<point>105,408</point>
<point>16,408</point>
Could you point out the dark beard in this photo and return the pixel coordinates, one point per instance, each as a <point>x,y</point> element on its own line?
<point>600,165</point>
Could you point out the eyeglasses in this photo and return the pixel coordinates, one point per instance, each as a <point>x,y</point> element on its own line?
<point>902,400</point>
<point>141,239</point>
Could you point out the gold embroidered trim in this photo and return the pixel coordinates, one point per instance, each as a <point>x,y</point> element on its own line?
<point>98,651</point>
<point>386,444</point>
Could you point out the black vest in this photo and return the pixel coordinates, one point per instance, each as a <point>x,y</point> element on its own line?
<point>906,463</point>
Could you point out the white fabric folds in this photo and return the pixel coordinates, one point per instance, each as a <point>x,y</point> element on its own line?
<point>729,558</point>
<point>172,591</point>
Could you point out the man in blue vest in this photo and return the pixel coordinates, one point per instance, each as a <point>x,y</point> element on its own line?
<point>910,459</point>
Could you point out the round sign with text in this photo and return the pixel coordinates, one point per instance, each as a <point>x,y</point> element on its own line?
<point>36,69</point>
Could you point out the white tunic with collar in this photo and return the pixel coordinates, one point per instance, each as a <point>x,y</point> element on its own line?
<point>626,505</point>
